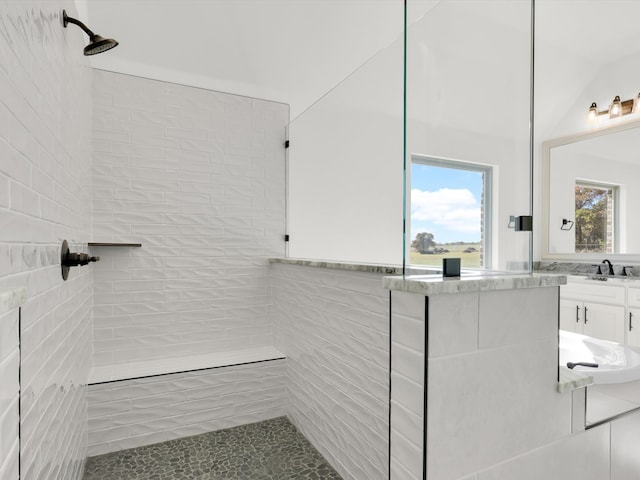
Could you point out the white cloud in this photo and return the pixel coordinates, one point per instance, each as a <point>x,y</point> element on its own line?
<point>454,209</point>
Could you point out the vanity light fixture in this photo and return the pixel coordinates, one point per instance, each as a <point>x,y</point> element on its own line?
<point>615,109</point>
<point>618,108</point>
<point>593,111</point>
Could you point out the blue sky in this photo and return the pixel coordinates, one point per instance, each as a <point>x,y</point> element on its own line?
<point>446,202</point>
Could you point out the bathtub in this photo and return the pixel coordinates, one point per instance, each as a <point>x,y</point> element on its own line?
<point>617,363</point>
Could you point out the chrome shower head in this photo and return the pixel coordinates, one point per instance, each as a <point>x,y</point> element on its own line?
<point>97,44</point>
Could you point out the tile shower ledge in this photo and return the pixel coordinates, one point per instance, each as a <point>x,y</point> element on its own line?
<point>357,267</point>
<point>165,366</point>
<point>12,299</point>
<point>471,283</point>
<point>570,380</point>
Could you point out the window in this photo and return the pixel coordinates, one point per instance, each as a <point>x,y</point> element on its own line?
<point>596,206</point>
<point>450,212</point>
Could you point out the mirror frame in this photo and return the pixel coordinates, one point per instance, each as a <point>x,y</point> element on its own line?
<point>545,255</point>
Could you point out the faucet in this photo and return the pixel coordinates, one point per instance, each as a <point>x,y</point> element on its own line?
<point>611,272</point>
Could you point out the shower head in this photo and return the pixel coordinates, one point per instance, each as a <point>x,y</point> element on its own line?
<point>97,44</point>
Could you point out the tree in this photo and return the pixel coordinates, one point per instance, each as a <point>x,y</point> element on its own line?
<point>591,218</point>
<point>423,242</point>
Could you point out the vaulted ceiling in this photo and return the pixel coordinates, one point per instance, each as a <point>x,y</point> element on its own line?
<point>294,51</point>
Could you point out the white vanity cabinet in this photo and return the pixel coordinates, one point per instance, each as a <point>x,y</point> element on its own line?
<point>594,308</point>
<point>633,316</point>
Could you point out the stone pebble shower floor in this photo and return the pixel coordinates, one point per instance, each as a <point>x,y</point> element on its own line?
<point>269,450</point>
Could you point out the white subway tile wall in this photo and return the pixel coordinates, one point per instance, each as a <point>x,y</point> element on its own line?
<point>198,178</point>
<point>9,395</point>
<point>134,413</point>
<point>45,162</point>
<point>334,328</point>
<point>407,380</point>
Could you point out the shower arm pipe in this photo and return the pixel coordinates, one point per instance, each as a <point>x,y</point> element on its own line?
<point>66,19</point>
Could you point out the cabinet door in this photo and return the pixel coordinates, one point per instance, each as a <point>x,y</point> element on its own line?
<point>633,296</point>
<point>633,327</point>
<point>571,315</point>
<point>604,321</point>
<point>600,292</point>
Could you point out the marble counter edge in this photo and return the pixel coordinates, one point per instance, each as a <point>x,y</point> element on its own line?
<point>357,267</point>
<point>471,284</point>
<point>570,380</point>
<point>12,299</point>
<point>584,270</point>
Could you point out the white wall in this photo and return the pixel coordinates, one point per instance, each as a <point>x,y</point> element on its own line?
<point>283,50</point>
<point>197,177</point>
<point>333,326</point>
<point>45,159</point>
<point>345,168</point>
<point>464,102</point>
<point>468,70</point>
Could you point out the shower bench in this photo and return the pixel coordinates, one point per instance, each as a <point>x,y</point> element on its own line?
<point>141,403</point>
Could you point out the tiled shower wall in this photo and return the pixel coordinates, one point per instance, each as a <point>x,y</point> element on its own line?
<point>45,161</point>
<point>9,395</point>
<point>333,325</point>
<point>150,410</point>
<point>197,177</point>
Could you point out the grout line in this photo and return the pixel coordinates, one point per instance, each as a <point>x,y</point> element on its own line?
<point>185,371</point>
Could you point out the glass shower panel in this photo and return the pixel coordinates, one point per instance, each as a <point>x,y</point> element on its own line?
<point>468,165</point>
<point>345,166</point>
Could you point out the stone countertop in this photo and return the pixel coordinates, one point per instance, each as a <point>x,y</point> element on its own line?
<point>12,299</point>
<point>358,267</point>
<point>471,282</point>
<point>570,380</point>
<point>586,270</point>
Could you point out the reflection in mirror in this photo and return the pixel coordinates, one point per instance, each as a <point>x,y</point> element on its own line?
<point>615,369</point>
<point>594,183</point>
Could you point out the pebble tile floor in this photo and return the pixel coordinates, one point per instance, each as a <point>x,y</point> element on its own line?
<point>269,450</point>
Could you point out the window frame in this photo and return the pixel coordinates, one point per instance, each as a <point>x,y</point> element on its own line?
<point>615,222</point>
<point>487,200</point>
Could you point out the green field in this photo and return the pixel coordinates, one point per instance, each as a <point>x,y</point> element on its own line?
<point>468,260</point>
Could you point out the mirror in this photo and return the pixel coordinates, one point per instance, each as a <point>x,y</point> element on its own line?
<point>593,191</point>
